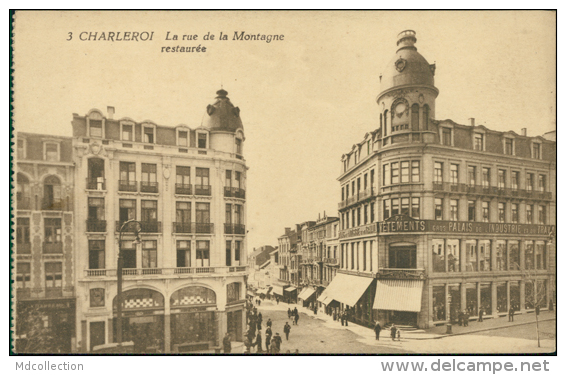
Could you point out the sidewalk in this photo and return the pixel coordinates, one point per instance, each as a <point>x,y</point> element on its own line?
<point>423,334</point>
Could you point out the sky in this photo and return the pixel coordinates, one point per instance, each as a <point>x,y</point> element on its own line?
<point>304,100</point>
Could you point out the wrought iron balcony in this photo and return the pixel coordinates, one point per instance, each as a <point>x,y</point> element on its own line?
<point>234,229</point>
<point>204,228</point>
<point>202,190</point>
<point>53,204</point>
<point>234,192</point>
<point>330,261</point>
<point>95,226</point>
<point>181,227</point>
<point>146,226</point>
<point>184,189</point>
<point>164,271</point>
<point>98,183</point>
<point>126,185</point>
<point>149,187</point>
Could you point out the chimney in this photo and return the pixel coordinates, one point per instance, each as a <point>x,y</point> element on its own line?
<point>472,121</point>
<point>524,132</point>
<point>110,111</point>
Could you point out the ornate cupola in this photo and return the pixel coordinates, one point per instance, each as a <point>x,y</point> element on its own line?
<point>223,115</point>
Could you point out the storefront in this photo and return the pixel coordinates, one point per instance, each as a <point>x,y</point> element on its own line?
<point>307,296</point>
<point>398,301</point>
<point>355,295</point>
<point>290,294</point>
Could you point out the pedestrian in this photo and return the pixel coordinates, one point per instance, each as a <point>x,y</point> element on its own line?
<point>227,343</point>
<point>295,311</point>
<point>259,302</point>
<point>315,309</point>
<point>377,330</point>
<point>259,325</point>
<point>287,330</point>
<point>481,315</point>
<point>466,318</point>
<point>276,343</point>
<point>341,316</point>
<point>398,334</point>
<point>460,318</point>
<point>289,313</point>
<point>511,314</point>
<point>393,330</point>
<point>258,342</point>
<point>269,322</point>
<point>334,314</point>
<point>259,317</point>
<point>277,299</point>
<point>296,319</point>
<point>346,316</point>
<point>268,335</point>
<point>247,343</point>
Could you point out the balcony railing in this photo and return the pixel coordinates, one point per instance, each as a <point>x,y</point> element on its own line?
<point>149,187</point>
<point>182,227</point>
<point>357,197</point>
<point>184,189</point>
<point>52,248</point>
<point>146,226</point>
<point>98,183</point>
<point>126,185</point>
<point>52,204</point>
<point>330,261</point>
<point>234,192</point>
<point>204,228</point>
<point>95,226</point>
<point>23,202</point>
<point>164,271</point>
<point>234,229</point>
<point>202,190</point>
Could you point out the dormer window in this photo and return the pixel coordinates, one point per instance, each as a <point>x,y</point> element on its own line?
<point>127,132</point>
<point>149,134</point>
<point>238,146</point>
<point>509,146</point>
<point>202,140</point>
<point>95,128</point>
<point>479,142</point>
<point>446,136</point>
<point>536,150</point>
<point>51,151</point>
<point>183,138</point>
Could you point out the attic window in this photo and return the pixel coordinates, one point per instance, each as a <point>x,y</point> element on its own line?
<point>202,140</point>
<point>148,134</point>
<point>183,139</point>
<point>95,128</point>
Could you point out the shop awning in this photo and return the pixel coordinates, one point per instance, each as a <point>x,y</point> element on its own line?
<point>277,290</point>
<point>347,289</point>
<point>290,289</point>
<point>398,295</point>
<point>261,291</point>
<point>250,293</point>
<point>322,296</point>
<point>306,293</point>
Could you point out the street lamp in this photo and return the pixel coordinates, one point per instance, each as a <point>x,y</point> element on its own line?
<point>137,231</point>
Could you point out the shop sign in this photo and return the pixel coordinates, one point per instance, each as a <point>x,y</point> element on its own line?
<point>359,231</point>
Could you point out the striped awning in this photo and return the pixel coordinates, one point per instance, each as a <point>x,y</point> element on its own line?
<point>306,293</point>
<point>398,295</point>
<point>347,289</point>
<point>290,289</point>
<point>277,290</point>
<point>322,296</point>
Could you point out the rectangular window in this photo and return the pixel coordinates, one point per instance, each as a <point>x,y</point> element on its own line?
<point>202,140</point>
<point>394,206</point>
<point>127,210</point>
<point>95,215</point>
<point>202,176</point>
<point>129,254</point>
<point>23,236</point>
<point>541,214</point>
<point>438,208</point>
<point>372,178</point>
<point>359,217</point>
<point>515,180</point>
<point>514,256</point>
<point>438,264</point>
<point>365,181</point>
<point>149,254</point>
<point>203,213</point>
<point>95,128</point>
<point>183,253</point>
<point>529,255</point>
<point>148,211</point>
<point>238,179</point>
<point>237,250</point>
<point>471,210</point>
<point>454,209</point>
<point>203,253</point>
<point>508,146</point>
<point>471,175</point>
<point>183,138</point>
<point>127,176</point>
<point>23,275</point>
<point>415,208</point>
<point>542,183</point>
<point>530,181</point>
<point>52,239</point>
<point>238,146</point>
<point>386,175</point>
<point>405,206</point>
<point>438,172</point>
<point>372,212</point>
<point>514,213</point>
<point>486,176</point>
<point>478,142</point>
<point>51,152</point>
<point>454,174</point>
<point>149,178</point>
<point>529,213</point>
<point>501,177</point>
<point>53,275</point>
<point>501,212</point>
<point>540,256</point>
<point>415,171</point>
<point>485,211</point>
<point>395,173</point>
<point>446,137</point>
<point>183,180</point>
<point>228,213</point>
<point>96,258</point>
<point>365,214</point>
<point>536,150</point>
<point>127,133</point>
<point>386,209</point>
<point>183,214</point>
<point>21,149</point>
<point>148,134</point>
<point>405,171</point>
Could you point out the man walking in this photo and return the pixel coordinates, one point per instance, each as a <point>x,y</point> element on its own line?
<point>258,342</point>
<point>227,343</point>
<point>296,319</point>
<point>377,330</point>
<point>268,335</point>
<point>393,332</point>
<point>269,322</point>
<point>287,330</point>
<point>511,314</point>
<point>276,343</point>
<point>289,313</point>
<point>481,315</point>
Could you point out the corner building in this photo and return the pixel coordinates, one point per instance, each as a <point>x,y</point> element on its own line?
<point>184,285</point>
<point>462,216</point>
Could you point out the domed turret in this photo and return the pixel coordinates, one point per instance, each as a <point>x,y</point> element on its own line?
<point>222,115</point>
<point>408,67</point>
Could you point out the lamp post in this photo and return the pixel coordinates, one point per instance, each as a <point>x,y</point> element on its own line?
<point>120,265</point>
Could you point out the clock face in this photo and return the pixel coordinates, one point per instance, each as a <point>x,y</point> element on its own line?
<point>400,108</point>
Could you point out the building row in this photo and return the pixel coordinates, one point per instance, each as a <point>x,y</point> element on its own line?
<point>435,217</point>
<point>79,204</point>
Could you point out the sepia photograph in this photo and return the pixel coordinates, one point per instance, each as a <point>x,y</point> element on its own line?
<point>283,182</point>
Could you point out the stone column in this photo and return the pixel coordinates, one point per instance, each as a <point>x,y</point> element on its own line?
<point>110,330</point>
<point>508,266</point>
<point>494,299</point>
<point>493,252</point>
<point>477,258</point>
<point>444,243</point>
<point>463,260</point>
<point>446,303</point>
<point>84,336</point>
<point>478,291</point>
<point>508,286</point>
<point>522,257</point>
<point>463,296</point>
<point>522,294</point>
<point>167,333</point>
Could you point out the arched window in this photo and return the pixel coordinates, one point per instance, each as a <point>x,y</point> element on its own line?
<point>381,120</point>
<point>22,192</point>
<point>52,194</point>
<point>426,111</point>
<point>415,117</point>
<point>385,123</point>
